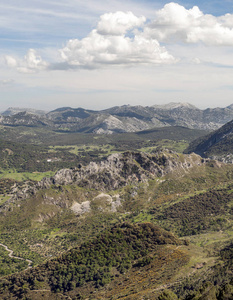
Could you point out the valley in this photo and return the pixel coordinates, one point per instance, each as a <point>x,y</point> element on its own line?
<point>130,215</point>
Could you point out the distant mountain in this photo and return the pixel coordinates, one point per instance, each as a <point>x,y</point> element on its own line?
<point>120,119</point>
<point>25,119</point>
<point>173,105</point>
<point>185,114</point>
<point>15,110</point>
<point>68,113</point>
<point>217,144</point>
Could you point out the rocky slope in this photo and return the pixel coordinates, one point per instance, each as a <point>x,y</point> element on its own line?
<point>26,119</point>
<point>218,144</point>
<point>117,171</point>
<point>120,169</point>
<point>119,119</point>
<point>182,114</point>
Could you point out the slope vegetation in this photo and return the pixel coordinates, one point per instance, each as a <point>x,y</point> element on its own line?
<point>105,230</point>
<point>217,143</point>
<point>96,263</point>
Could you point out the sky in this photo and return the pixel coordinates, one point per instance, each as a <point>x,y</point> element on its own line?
<point>99,54</point>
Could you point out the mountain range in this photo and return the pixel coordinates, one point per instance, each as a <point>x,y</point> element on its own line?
<point>119,119</point>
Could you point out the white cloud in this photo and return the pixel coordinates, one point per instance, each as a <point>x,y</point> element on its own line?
<point>98,50</point>
<point>30,64</point>
<point>11,61</point>
<point>110,45</point>
<point>196,60</point>
<point>175,23</point>
<point>123,39</point>
<point>118,23</point>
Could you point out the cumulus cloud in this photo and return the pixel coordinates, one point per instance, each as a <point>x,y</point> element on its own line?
<point>118,23</point>
<point>123,39</point>
<point>98,50</point>
<point>11,61</point>
<point>175,23</point>
<point>110,45</point>
<point>30,64</point>
<point>117,40</point>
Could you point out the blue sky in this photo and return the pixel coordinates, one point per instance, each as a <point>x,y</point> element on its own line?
<point>97,54</point>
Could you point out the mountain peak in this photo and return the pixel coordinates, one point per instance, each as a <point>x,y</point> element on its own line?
<point>15,110</point>
<point>173,105</point>
<point>230,106</point>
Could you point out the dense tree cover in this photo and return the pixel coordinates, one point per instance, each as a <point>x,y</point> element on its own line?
<point>33,158</point>
<point>203,211</point>
<point>98,261</point>
<point>45,136</point>
<point>9,265</point>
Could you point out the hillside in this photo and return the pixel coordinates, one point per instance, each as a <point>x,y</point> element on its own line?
<point>216,144</point>
<point>115,172</point>
<point>92,265</point>
<point>81,209</point>
<point>119,119</point>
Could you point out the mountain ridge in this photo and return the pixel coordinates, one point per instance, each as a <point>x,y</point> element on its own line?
<point>120,119</point>
<point>217,144</point>
<point>115,172</point>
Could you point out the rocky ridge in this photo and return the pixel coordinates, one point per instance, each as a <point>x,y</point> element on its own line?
<point>121,169</point>
<point>117,171</point>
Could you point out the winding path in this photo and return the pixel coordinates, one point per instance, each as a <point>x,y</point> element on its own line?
<point>16,257</point>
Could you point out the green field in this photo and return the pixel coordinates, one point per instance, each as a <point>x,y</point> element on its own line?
<point>23,176</point>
